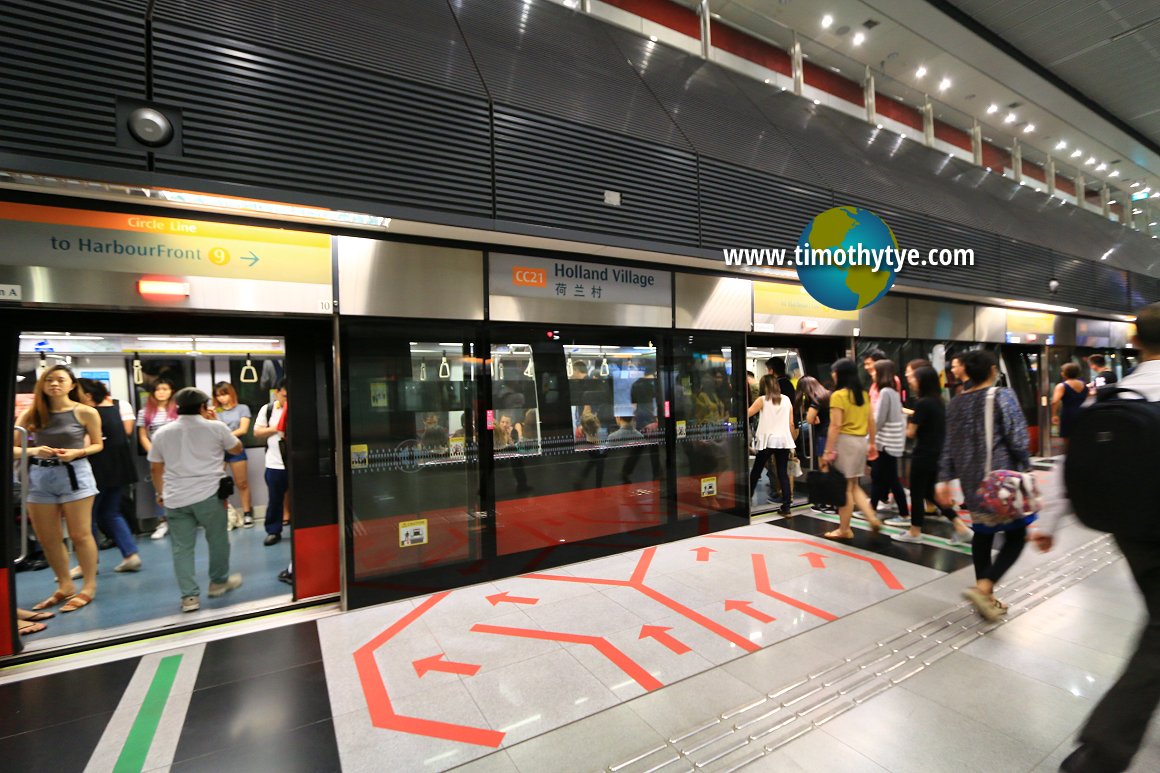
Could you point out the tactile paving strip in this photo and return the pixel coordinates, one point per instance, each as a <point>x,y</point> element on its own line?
<point>735,738</point>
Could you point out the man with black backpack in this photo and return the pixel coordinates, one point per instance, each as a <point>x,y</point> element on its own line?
<point>1112,483</point>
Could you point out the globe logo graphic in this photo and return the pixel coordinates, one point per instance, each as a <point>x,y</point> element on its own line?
<point>844,286</point>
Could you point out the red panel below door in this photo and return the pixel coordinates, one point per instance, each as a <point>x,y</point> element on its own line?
<point>7,646</point>
<point>316,560</point>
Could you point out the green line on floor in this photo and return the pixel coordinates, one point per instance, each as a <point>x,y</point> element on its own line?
<point>136,747</point>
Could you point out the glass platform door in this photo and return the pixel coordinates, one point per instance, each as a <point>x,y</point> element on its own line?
<point>414,505</point>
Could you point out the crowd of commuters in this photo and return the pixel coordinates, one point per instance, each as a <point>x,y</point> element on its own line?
<point>81,463</point>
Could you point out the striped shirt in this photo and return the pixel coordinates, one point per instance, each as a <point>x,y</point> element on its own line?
<point>890,435</point>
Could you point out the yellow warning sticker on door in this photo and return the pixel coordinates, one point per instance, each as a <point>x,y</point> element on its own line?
<point>709,486</point>
<point>360,457</point>
<point>412,533</point>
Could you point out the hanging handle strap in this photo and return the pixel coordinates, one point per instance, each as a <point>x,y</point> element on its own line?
<point>248,374</point>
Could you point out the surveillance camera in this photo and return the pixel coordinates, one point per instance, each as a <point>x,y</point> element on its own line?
<point>1053,286</point>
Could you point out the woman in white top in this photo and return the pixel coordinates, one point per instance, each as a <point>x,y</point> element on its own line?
<point>774,437</point>
<point>890,441</point>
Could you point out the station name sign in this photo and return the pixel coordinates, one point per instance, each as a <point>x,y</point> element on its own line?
<point>566,280</point>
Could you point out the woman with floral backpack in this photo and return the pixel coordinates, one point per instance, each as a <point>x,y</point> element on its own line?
<point>986,449</point>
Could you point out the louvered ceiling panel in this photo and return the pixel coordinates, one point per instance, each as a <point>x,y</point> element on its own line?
<point>741,208</point>
<point>272,118</point>
<point>62,66</point>
<point>417,39</point>
<point>549,172</point>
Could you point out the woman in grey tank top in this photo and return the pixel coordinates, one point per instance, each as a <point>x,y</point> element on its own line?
<point>61,482</point>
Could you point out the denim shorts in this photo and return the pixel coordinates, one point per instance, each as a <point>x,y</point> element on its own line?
<point>236,457</point>
<point>52,486</point>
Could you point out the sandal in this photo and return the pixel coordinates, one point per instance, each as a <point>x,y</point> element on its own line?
<point>999,605</point>
<point>56,597</point>
<point>837,534</point>
<point>28,627</point>
<point>33,617</point>
<point>77,601</point>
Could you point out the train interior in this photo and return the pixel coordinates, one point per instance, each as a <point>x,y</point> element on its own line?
<point>130,367</point>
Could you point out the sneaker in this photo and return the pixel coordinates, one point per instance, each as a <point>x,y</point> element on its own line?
<point>272,539</point>
<point>962,538</point>
<point>784,510</point>
<point>906,536</point>
<point>286,577</point>
<point>130,564</point>
<point>233,582</point>
<point>903,523</point>
<point>160,531</point>
<point>248,520</point>
<point>823,509</point>
<point>190,604</point>
<point>984,604</point>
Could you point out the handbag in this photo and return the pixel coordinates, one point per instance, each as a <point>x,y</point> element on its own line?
<point>827,487</point>
<point>795,467</point>
<point>1007,497</point>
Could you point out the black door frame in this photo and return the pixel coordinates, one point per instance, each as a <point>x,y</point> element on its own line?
<point>307,340</point>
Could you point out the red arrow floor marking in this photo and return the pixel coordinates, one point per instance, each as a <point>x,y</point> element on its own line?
<point>637,582</point>
<point>817,560</point>
<point>605,647</point>
<point>496,598</point>
<point>383,714</point>
<point>437,663</point>
<point>662,635</point>
<point>702,553</point>
<point>883,571</point>
<point>746,608</point>
<point>761,582</point>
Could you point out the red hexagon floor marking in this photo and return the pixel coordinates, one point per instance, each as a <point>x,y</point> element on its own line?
<point>605,647</point>
<point>379,702</point>
<point>883,571</point>
<point>637,582</point>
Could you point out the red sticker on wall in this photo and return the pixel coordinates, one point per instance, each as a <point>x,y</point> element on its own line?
<point>491,419</point>
<point>666,409</point>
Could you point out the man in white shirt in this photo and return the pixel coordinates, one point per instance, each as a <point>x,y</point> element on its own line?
<point>186,464</point>
<point>1116,727</point>
<point>270,426</point>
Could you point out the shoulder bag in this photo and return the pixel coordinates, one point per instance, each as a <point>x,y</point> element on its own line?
<point>1008,498</point>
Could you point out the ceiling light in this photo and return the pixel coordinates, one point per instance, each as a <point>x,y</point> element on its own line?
<point>920,72</point>
<point>817,101</point>
<point>1076,153</point>
<point>1156,195</point>
<point>1137,211</point>
<point>1135,184</point>
<point>1039,306</point>
<point>1010,118</point>
<point>903,136</point>
<point>944,84</point>
<point>1106,254</point>
<point>1029,128</point>
<point>1091,160</point>
<point>167,339</point>
<point>1115,173</point>
<point>1152,224</point>
<point>65,337</point>
<point>879,126</point>
<point>992,109</point>
<point>1061,145</point>
<point>1101,167</point>
<point>859,38</point>
<point>827,20</point>
<point>652,38</point>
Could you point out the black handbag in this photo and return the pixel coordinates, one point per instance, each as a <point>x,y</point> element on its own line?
<point>225,488</point>
<point>826,488</point>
